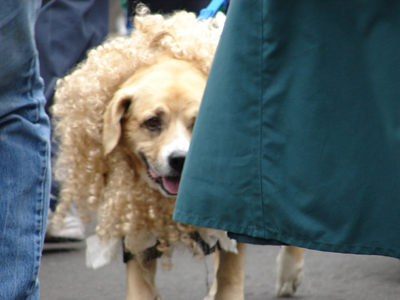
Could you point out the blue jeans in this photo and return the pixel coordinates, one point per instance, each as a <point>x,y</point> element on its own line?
<point>24,153</point>
<point>65,31</point>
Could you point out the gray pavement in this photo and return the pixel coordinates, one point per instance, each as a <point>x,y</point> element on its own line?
<point>328,276</point>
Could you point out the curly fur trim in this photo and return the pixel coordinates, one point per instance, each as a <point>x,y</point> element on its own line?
<point>107,186</point>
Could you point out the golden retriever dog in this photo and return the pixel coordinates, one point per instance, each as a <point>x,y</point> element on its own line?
<point>125,117</point>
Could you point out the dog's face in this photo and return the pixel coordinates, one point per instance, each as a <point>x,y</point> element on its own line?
<point>152,117</point>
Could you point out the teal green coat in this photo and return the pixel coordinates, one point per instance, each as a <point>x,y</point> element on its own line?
<point>298,136</point>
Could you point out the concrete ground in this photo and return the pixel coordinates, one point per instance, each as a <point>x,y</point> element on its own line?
<point>328,276</point>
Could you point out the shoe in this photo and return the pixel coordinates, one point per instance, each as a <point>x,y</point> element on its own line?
<point>72,229</point>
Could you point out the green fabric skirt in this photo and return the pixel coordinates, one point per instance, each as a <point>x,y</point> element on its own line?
<point>298,136</point>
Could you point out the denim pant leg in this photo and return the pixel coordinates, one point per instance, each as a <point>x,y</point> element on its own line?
<point>24,153</point>
<point>65,31</point>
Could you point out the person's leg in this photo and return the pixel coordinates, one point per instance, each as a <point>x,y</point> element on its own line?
<point>65,31</point>
<point>24,153</point>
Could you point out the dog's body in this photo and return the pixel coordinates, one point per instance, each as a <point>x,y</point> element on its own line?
<point>125,118</point>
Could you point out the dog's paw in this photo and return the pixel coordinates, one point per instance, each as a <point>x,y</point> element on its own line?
<point>212,292</point>
<point>290,275</point>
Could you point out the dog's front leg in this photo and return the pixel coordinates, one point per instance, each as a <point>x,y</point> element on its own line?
<point>140,280</point>
<point>230,275</point>
<point>290,270</point>
<point>213,289</point>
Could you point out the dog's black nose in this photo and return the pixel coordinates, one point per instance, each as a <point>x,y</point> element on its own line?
<point>176,161</point>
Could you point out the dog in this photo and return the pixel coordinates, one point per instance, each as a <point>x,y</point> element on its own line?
<point>124,118</point>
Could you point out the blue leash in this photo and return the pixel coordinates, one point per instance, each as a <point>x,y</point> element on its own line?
<point>212,9</point>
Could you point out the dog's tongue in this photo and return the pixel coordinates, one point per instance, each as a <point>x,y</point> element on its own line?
<point>171,184</point>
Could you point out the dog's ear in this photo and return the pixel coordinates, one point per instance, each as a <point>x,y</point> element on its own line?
<point>112,121</point>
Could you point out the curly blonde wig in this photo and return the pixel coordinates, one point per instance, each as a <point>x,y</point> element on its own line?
<point>107,186</point>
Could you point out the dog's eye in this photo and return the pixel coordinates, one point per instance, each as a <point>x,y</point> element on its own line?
<point>153,123</point>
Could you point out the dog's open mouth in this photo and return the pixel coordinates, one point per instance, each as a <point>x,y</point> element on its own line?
<point>169,184</point>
